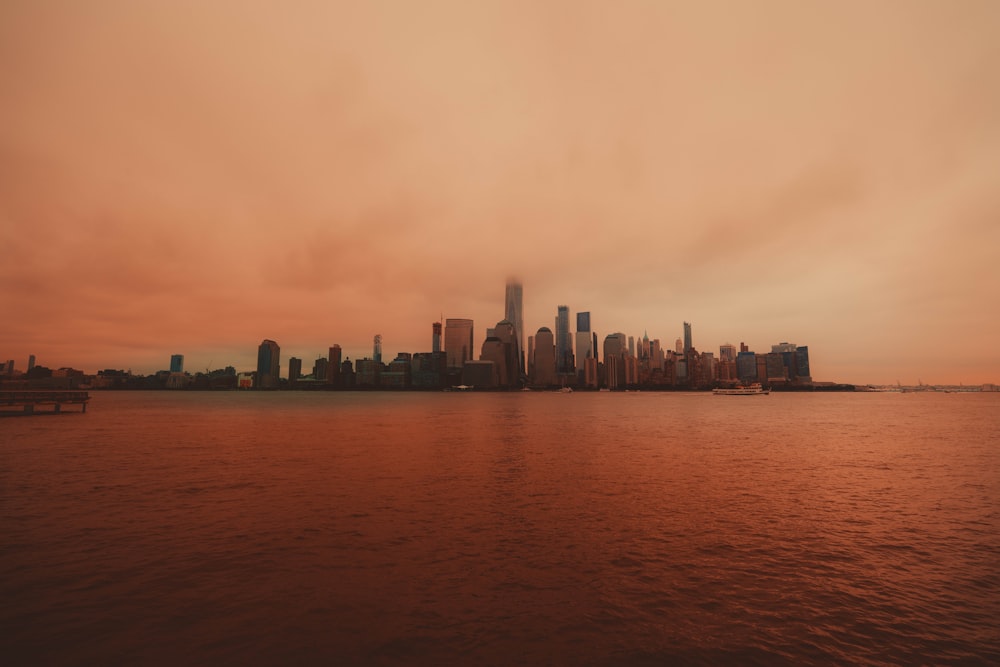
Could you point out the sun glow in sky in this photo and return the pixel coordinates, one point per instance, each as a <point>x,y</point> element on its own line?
<point>191,177</point>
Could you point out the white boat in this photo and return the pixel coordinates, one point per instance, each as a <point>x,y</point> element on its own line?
<point>748,390</point>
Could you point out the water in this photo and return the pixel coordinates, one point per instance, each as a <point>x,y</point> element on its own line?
<point>604,529</point>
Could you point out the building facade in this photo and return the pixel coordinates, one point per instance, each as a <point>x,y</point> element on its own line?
<point>268,364</point>
<point>458,341</point>
<point>514,313</point>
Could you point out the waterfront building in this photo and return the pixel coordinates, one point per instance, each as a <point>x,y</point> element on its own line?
<point>268,364</point>
<point>31,361</point>
<point>294,369</point>
<point>688,343</point>
<point>583,340</point>
<point>367,373</point>
<point>795,360</point>
<point>377,348</point>
<point>176,363</point>
<point>333,367</point>
<point>727,352</point>
<point>514,313</point>
<point>544,361</point>
<point>775,365</point>
<point>615,348</point>
<point>436,337</point>
<point>458,341</point>
<point>564,341</point>
<point>802,372</point>
<point>320,368</point>
<point>399,373</point>
<point>501,348</point>
<point>590,373</point>
<point>428,370</point>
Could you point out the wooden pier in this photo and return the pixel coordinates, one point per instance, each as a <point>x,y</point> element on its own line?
<point>22,403</point>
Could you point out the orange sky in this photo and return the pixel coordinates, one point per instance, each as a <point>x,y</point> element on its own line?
<point>192,177</point>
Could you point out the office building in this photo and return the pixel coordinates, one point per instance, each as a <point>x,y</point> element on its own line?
<point>615,349</point>
<point>727,352</point>
<point>436,337</point>
<point>458,341</point>
<point>688,344</point>
<point>501,348</point>
<point>564,342</point>
<point>333,368</point>
<point>31,361</point>
<point>268,364</point>
<point>176,363</point>
<point>544,362</point>
<point>802,372</point>
<point>294,369</point>
<point>514,313</point>
<point>320,369</point>
<point>583,340</point>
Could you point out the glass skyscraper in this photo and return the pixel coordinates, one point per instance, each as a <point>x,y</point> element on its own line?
<point>457,341</point>
<point>514,313</point>
<point>584,345</point>
<point>564,341</point>
<point>268,360</point>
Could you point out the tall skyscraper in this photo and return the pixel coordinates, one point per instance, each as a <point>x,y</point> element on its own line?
<point>615,347</point>
<point>268,360</point>
<point>564,341</point>
<point>727,352</point>
<point>583,340</point>
<point>333,368</point>
<point>176,363</point>
<point>458,341</point>
<point>436,337</point>
<point>31,361</point>
<point>514,313</point>
<point>688,345</point>
<point>377,348</point>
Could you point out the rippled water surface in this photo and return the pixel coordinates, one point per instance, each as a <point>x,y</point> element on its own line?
<point>527,528</point>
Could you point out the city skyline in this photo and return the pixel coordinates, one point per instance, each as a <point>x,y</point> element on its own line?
<point>822,174</point>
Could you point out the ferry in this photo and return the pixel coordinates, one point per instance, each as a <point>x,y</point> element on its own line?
<point>748,390</point>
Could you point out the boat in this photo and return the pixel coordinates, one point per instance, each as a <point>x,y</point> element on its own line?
<point>748,390</point>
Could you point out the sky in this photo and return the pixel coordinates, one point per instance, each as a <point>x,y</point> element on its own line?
<point>194,177</point>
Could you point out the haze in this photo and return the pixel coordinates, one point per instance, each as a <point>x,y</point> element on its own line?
<point>190,177</point>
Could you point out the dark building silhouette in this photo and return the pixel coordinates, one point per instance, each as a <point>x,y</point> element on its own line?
<point>334,366</point>
<point>294,369</point>
<point>268,364</point>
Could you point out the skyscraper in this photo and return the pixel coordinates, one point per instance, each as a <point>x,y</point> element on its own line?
<point>564,341</point>
<point>333,368</point>
<point>436,337</point>
<point>294,369</point>
<point>377,348</point>
<point>544,362</point>
<point>457,341</point>
<point>583,340</point>
<point>688,345</point>
<point>514,313</point>
<point>268,360</point>
<point>176,363</point>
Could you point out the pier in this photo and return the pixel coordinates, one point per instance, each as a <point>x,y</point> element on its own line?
<point>22,403</point>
